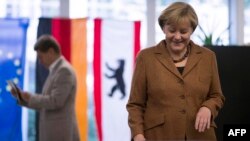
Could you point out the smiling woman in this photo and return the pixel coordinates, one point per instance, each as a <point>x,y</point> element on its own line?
<point>178,26</point>
<point>175,110</point>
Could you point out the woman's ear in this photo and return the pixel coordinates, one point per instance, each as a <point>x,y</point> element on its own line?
<point>164,29</point>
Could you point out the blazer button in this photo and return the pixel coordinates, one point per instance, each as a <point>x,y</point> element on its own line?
<point>182,96</point>
<point>181,81</point>
<point>183,111</point>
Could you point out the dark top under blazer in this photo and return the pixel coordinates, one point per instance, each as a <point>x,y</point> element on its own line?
<point>163,103</point>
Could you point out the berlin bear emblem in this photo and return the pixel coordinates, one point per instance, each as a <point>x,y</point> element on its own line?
<point>118,76</point>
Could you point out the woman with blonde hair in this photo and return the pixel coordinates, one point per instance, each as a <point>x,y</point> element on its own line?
<point>176,92</point>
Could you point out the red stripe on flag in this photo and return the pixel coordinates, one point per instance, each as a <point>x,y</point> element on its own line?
<point>137,45</point>
<point>61,30</point>
<point>97,75</point>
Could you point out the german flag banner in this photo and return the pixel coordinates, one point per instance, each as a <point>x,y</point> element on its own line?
<point>116,44</point>
<point>71,34</point>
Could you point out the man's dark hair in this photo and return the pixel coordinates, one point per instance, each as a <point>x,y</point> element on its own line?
<point>45,42</point>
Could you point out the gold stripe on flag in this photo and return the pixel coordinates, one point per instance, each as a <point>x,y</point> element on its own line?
<point>79,62</point>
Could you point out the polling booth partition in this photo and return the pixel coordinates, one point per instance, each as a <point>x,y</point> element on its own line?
<point>234,70</point>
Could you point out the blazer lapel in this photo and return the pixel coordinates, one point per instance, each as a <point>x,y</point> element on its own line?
<point>46,84</point>
<point>49,79</point>
<point>193,58</point>
<point>164,58</point>
<point>57,65</point>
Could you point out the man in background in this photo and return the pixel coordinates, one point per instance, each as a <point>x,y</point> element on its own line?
<point>56,104</point>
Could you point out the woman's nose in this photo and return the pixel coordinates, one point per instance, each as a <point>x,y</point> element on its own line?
<point>177,35</point>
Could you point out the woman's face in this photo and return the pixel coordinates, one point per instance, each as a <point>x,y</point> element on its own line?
<point>178,36</point>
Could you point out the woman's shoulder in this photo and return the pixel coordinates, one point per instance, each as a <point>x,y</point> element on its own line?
<point>207,50</point>
<point>151,49</point>
<point>147,50</point>
<point>203,49</point>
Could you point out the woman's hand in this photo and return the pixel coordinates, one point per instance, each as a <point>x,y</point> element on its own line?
<point>139,137</point>
<point>203,119</point>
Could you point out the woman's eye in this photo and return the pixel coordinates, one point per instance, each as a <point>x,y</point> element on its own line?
<point>171,30</point>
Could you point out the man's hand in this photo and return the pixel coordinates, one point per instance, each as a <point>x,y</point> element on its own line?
<point>203,119</point>
<point>13,92</point>
<point>25,96</point>
<point>139,137</point>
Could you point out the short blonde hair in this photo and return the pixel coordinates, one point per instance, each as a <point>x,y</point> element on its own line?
<point>177,12</point>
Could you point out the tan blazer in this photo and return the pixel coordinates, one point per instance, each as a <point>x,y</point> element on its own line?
<point>56,105</point>
<point>163,103</point>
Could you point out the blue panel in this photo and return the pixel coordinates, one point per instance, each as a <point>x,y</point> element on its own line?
<point>12,61</point>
